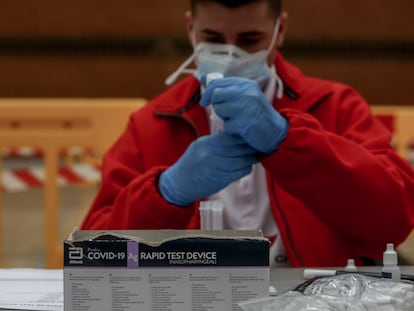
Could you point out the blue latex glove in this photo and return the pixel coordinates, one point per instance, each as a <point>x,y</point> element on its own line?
<point>208,165</point>
<point>245,110</point>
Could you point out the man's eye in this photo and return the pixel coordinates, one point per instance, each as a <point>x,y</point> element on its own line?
<point>248,41</point>
<point>214,40</point>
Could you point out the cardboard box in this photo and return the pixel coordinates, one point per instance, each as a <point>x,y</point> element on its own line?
<point>159,270</point>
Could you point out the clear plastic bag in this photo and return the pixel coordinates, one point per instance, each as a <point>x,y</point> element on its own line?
<point>348,292</point>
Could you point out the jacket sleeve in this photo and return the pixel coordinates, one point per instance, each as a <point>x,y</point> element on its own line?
<point>128,197</point>
<point>339,163</point>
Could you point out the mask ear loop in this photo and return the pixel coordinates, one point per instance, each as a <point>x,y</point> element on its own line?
<point>279,82</point>
<point>182,69</point>
<point>279,86</point>
<point>274,37</point>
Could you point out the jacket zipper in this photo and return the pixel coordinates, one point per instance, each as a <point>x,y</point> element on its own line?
<point>288,232</point>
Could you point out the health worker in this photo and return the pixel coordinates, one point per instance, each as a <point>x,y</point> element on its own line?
<point>300,158</point>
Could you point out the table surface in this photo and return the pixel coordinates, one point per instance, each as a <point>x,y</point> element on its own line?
<point>284,279</point>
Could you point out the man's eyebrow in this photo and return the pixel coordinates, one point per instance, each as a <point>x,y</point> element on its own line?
<point>252,33</point>
<point>210,32</point>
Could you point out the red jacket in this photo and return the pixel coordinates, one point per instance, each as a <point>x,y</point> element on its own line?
<point>337,189</point>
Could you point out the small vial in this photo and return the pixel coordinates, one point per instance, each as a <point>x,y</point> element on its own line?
<point>212,76</point>
<point>272,291</point>
<point>390,269</point>
<point>211,215</point>
<point>350,266</point>
<point>205,215</point>
<point>217,209</point>
<point>215,121</point>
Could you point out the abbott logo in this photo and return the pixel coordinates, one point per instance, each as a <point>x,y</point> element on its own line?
<point>75,255</point>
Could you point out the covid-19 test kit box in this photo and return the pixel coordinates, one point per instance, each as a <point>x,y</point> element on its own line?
<point>157,270</point>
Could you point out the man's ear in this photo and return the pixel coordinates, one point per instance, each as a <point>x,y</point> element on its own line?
<point>282,29</point>
<point>190,25</point>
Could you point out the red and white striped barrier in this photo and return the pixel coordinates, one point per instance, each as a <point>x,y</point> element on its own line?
<point>21,179</point>
<point>29,175</point>
<point>33,152</point>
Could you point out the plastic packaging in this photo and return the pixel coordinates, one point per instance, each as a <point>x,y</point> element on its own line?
<point>347,292</point>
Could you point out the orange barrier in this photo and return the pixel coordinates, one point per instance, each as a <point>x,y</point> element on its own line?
<point>55,124</point>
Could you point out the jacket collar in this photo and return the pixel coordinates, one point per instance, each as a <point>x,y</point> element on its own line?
<point>181,97</point>
<point>300,92</point>
<point>182,100</point>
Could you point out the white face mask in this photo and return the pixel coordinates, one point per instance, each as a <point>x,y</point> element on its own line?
<point>229,60</point>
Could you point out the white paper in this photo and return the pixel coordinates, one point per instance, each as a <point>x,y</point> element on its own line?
<point>31,289</point>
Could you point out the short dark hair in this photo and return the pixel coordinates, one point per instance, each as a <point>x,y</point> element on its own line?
<point>274,5</point>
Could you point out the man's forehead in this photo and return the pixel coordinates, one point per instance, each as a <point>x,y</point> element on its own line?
<point>244,19</point>
<point>235,29</point>
<point>240,4</point>
<point>253,10</point>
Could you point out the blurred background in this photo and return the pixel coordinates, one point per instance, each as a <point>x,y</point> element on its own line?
<point>126,49</point>
<point>106,48</point>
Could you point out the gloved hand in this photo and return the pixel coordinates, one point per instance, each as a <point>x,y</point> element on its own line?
<point>208,165</point>
<point>243,107</point>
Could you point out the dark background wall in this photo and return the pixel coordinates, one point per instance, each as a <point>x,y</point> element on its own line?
<point>126,48</point>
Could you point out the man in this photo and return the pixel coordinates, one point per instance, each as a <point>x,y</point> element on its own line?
<point>302,159</point>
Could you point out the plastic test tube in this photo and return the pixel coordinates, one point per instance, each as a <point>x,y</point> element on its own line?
<point>205,215</point>
<point>217,214</point>
<point>216,122</point>
<point>211,215</point>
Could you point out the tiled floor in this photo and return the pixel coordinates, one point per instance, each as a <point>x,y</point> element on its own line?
<point>23,229</point>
